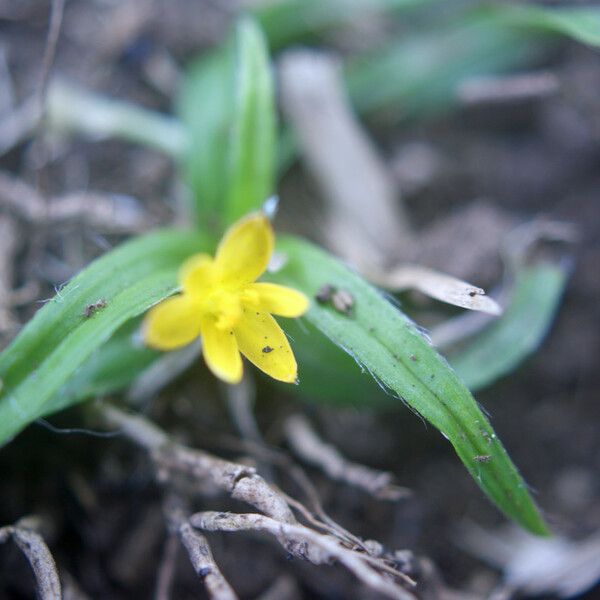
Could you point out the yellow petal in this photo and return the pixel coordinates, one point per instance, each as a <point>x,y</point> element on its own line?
<point>221,352</point>
<point>173,323</point>
<point>278,299</point>
<point>263,343</point>
<point>245,250</point>
<point>197,274</point>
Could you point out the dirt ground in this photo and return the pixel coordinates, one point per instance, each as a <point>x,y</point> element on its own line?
<point>100,504</point>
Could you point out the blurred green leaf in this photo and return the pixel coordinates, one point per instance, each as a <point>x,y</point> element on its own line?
<point>58,340</point>
<point>252,154</point>
<point>580,23</point>
<point>70,108</point>
<point>418,76</point>
<point>205,105</point>
<point>386,343</point>
<point>227,105</point>
<point>519,332</point>
<point>289,21</point>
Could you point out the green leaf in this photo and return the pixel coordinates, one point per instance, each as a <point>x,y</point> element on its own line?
<point>205,105</point>
<point>328,374</point>
<point>519,332</point>
<point>418,75</point>
<point>580,23</point>
<point>251,174</point>
<point>73,109</point>
<point>290,21</point>
<point>60,337</point>
<point>227,105</point>
<point>110,368</point>
<point>382,339</point>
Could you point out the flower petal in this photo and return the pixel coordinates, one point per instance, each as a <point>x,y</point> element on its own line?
<point>221,352</point>
<point>279,299</point>
<point>173,323</point>
<point>197,274</point>
<point>263,343</point>
<point>245,250</point>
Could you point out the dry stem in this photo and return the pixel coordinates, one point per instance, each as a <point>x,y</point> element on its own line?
<point>34,548</point>
<point>101,211</point>
<point>243,483</point>
<point>308,446</point>
<point>304,543</point>
<point>199,551</point>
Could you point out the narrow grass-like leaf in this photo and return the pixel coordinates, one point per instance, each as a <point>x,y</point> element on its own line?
<point>110,368</point>
<point>227,105</point>
<point>205,106</point>
<point>328,375</point>
<point>251,168</point>
<point>418,76</point>
<point>60,337</point>
<point>70,108</point>
<point>518,333</point>
<point>380,337</point>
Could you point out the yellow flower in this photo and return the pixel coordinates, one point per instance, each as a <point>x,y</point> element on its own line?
<point>221,302</point>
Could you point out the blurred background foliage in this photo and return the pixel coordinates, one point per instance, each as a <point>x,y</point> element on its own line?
<point>406,66</point>
<point>413,72</point>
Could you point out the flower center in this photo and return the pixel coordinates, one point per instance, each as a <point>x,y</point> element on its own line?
<point>224,306</point>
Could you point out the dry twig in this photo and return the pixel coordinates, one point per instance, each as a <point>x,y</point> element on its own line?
<point>308,446</point>
<point>204,563</point>
<point>240,481</point>
<point>304,543</point>
<point>54,26</point>
<point>23,121</point>
<point>166,569</point>
<point>34,548</point>
<point>199,551</point>
<point>320,519</point>
<point>243,483</point>
<point>105,212</point>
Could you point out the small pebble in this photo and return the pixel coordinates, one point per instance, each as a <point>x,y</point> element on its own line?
<point>325,293</point>
<point>343,302</point>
